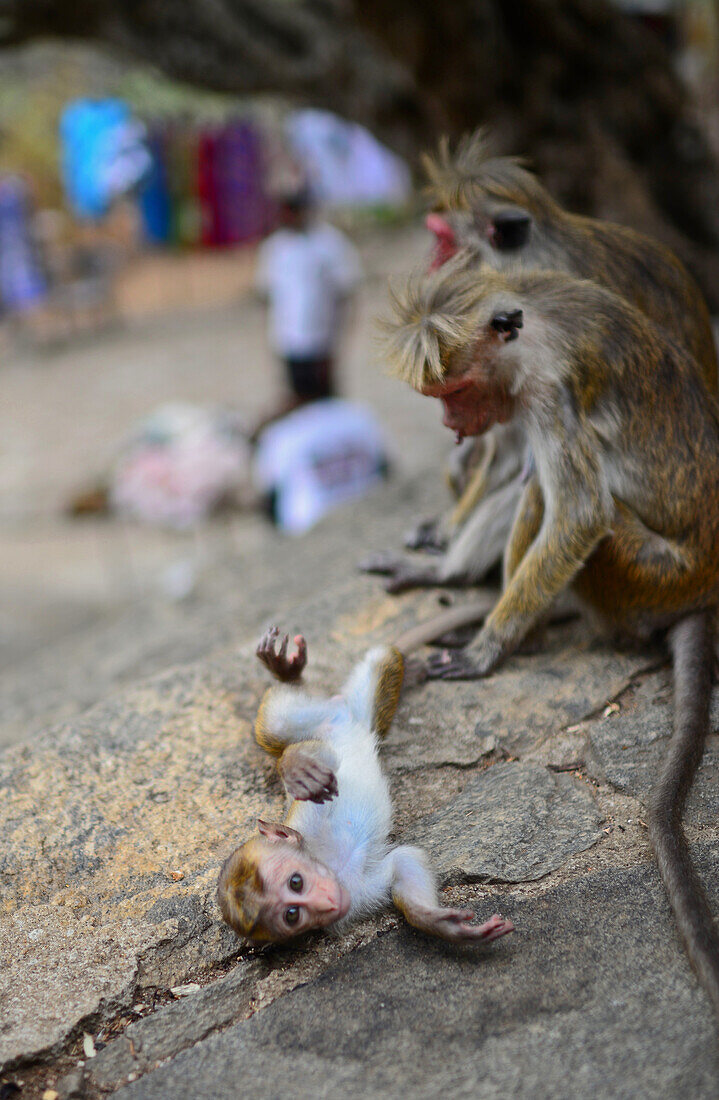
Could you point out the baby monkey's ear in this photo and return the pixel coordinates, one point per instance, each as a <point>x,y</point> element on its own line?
<point>508,323</point>
<point>272,830</point>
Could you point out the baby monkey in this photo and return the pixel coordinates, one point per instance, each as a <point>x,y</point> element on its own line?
<point>329,862</point>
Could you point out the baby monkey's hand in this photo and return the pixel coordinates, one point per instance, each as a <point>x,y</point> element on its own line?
<point>284,668</point>
<point>305,777</point>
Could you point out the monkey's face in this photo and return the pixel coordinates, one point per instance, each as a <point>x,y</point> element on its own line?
<point>477,390</point>
<point>271,888</point>
<point>300,893</point>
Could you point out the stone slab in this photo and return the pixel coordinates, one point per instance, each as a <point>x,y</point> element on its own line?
<point>628,746</point>
<point>591,999</point>
<point>530,697</point>
<point>513,823</point>
<point>149,1041</point>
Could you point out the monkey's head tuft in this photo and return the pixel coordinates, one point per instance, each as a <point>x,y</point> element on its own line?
<point>490,205</point>
<point>475,172</point>
<point>434,316</point>
<point>445,323</point>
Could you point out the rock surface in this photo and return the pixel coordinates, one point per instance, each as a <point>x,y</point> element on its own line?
<point>591,999</point>
<point>513,823</point>
<point>114,826</point>
<point>628,746</point>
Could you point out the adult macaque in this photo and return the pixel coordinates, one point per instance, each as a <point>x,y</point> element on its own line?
<point>623,504</point>
<point>329,861</point>
<point>505,219</point>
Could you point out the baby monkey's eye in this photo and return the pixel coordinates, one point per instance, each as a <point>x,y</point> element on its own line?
<point>292,915</point>
<point>296,882</point>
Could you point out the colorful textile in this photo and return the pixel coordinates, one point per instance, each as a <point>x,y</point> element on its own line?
<point>103,154</point>
<point>22,281</point>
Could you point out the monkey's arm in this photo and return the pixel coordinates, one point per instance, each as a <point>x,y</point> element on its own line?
<point>414,893</point>
<point>402,574</point>
<point>307,770</point>
<point>564,542</point>
<point>290,726</point>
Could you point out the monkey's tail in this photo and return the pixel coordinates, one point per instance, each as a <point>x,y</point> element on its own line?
<point>692,650</point>
<point>475,611</point>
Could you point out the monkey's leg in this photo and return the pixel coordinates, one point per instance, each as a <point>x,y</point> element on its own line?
<point>476,549</point>
<point>414,893</point>
<point>466,477</point>
<point>482,541</point>
<point>551,562</point>
<point>373,689</point>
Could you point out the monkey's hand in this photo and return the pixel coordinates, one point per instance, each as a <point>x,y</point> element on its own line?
<point>284,668</point>
<point>453,925</point>
<point>427,536</point>
<point>401,575</point>
<point>306,777</point>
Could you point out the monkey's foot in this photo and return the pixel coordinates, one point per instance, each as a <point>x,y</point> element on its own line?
<point>284,668</point>
<point>400,574</point>
<point>495,927</point>
<point>426,536</point>
<point>308,779</point>
<point>449,665</point>
<point>454,925</point>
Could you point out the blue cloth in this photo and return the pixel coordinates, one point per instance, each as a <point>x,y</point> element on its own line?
<point>102,153</point>
<point>154,196</point>
<point>22,282</point>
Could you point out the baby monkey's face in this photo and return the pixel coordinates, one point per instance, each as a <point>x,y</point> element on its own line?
<point>299,893</point>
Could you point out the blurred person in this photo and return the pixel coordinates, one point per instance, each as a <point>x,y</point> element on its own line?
<point>307,272</point>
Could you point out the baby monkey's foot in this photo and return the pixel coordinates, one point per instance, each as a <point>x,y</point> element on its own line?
<point>284,668</point>
<point>308,779</point>
<point>454,925</point>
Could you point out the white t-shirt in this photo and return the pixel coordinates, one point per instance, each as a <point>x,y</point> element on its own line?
<point>305,274</point>
<point>321,455</point>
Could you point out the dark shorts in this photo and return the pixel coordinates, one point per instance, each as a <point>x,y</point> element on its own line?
<point>310,377</point>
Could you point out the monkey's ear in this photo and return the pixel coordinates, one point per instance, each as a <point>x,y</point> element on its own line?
<point>508,324</point>
<point>510,230</point>
<point>440,227</point>
<point>445,240</point>
<point>273,831</point>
